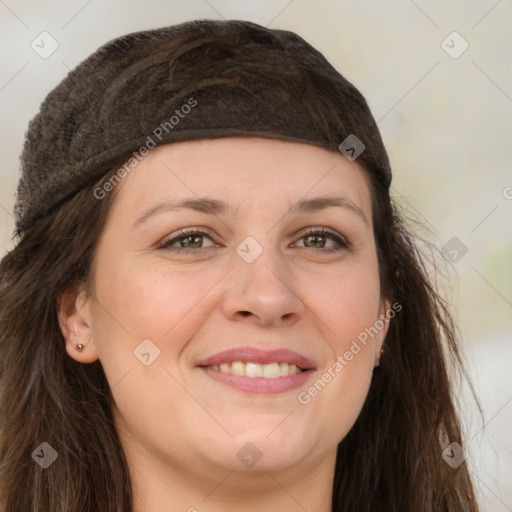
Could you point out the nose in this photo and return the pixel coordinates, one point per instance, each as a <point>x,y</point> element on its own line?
<point>262,292</point>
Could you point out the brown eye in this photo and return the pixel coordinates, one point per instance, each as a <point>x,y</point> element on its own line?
<point>318,239</point>
<point>187,239</point>
<point>191,241</point>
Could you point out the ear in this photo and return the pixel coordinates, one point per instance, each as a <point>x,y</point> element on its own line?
<point>378,340</point>
<point>75,321</point>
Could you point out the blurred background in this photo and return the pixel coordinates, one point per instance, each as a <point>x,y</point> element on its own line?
<point>437,75</point>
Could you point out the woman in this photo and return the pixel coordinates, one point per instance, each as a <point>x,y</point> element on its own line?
<point>213,303</point>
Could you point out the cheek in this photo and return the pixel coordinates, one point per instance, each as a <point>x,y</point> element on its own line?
<point>156,302</point>
<point>347,301</point>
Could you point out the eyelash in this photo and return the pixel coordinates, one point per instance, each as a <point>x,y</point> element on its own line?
<point>343,244</point>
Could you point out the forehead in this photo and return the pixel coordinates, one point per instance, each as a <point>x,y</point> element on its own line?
<point>243,172</point>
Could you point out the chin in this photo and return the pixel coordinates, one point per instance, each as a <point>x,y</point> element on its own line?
<point>259,451</point>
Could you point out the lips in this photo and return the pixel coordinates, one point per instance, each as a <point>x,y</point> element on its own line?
<point>252,370</point>
<point>262,357</point>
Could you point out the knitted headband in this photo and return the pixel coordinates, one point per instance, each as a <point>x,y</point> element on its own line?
<point>200,79</point>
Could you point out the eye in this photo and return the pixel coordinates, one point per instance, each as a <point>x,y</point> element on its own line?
<point>191,238</point>
<point>316,238</point>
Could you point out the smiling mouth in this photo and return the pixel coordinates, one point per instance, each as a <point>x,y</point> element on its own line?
<point>255,370</point>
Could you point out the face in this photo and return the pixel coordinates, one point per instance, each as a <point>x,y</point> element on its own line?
<point>231,327</point>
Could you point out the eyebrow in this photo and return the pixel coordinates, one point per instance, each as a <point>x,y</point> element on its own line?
<point>218,207</point>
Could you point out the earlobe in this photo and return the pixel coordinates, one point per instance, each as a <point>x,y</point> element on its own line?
<point>75,321</point>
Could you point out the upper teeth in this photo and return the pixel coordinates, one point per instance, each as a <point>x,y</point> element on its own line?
<point>269,371</point>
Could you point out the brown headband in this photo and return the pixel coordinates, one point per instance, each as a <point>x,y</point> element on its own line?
<point>200,79</point>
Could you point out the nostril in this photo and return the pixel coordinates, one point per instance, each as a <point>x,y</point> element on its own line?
<point>245,313</point>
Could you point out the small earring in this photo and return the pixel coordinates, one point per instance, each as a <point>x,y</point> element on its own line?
<point>80,347</point>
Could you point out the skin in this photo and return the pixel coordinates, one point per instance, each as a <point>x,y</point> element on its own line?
<point>181,430</point>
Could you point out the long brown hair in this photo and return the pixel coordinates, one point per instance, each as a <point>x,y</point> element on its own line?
<point>390,461</point>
